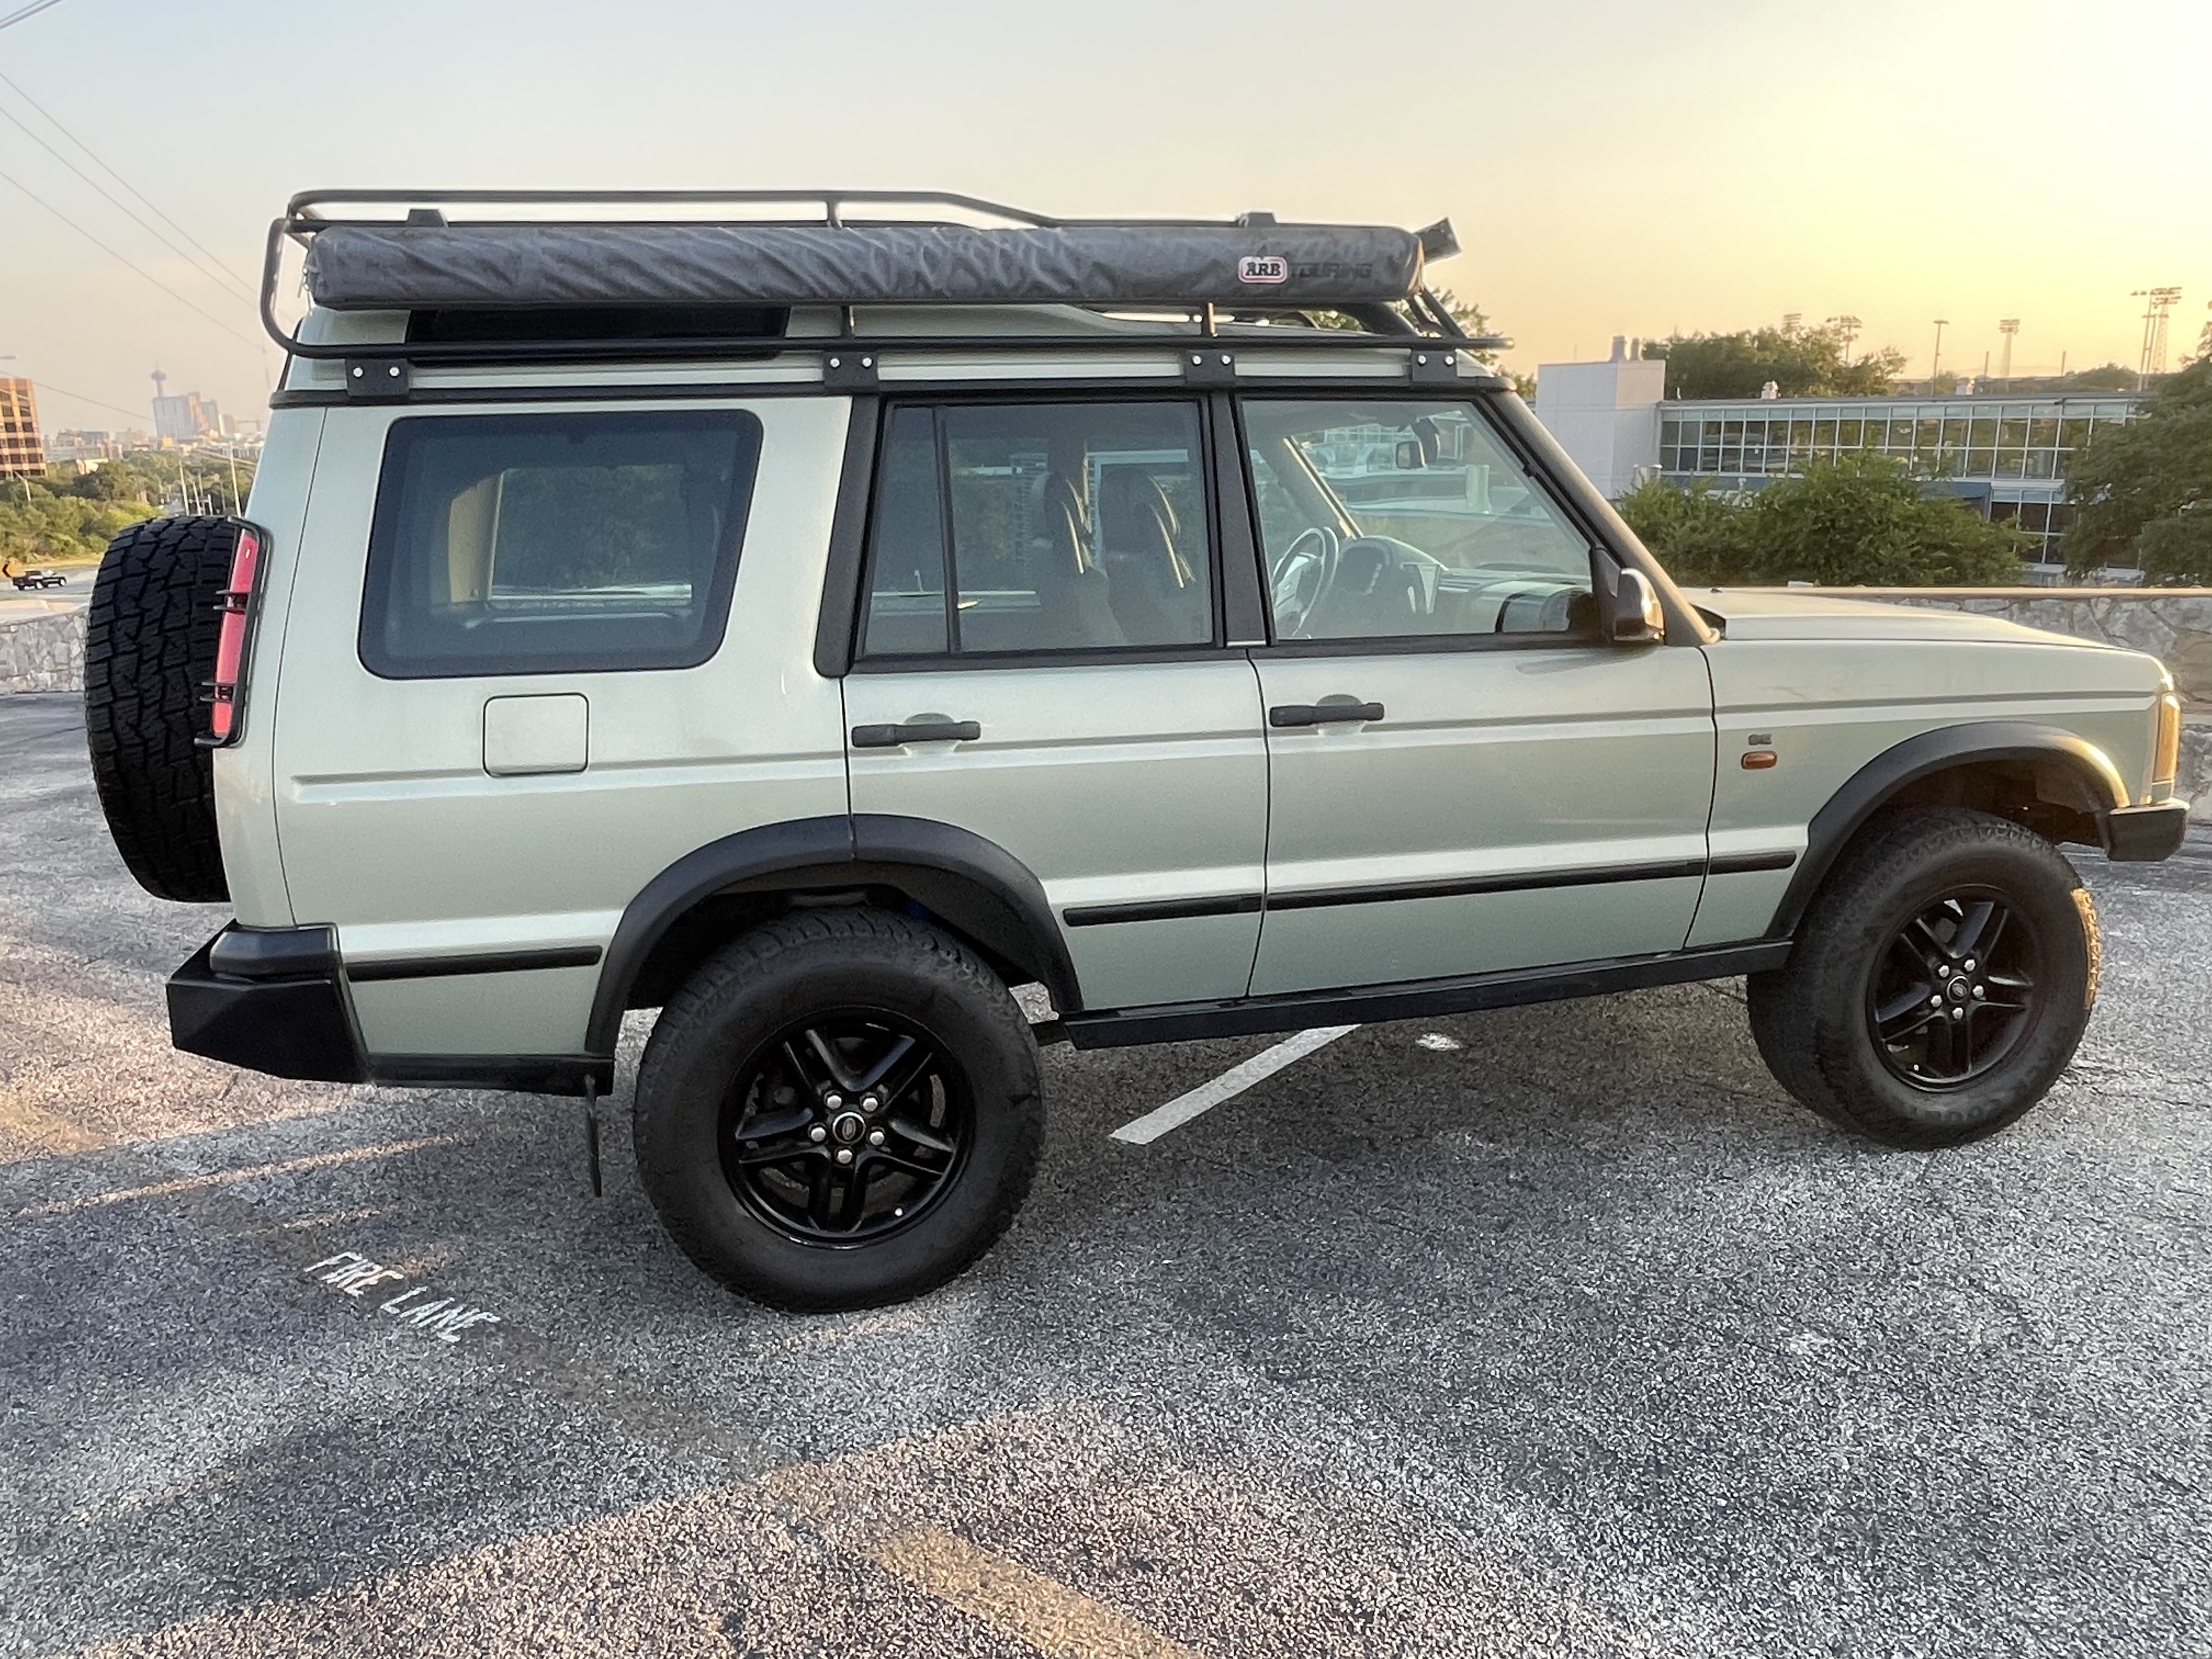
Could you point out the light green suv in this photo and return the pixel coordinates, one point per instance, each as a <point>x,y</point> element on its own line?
<point>812,625</point>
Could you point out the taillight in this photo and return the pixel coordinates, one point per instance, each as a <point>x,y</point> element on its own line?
<point>236,605</point>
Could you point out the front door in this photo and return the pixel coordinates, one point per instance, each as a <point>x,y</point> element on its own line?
<point>1042,662</point>
<point>1464,777</point>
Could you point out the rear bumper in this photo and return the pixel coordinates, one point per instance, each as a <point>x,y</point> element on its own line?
<point>271,999</point>
<point>274,999</point>
<point>2144,835</point>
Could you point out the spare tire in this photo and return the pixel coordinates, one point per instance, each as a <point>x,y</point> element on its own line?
<point>148,655</point>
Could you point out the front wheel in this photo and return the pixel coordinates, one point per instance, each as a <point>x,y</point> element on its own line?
<point>1940,981</point>
<point>841,1110</point>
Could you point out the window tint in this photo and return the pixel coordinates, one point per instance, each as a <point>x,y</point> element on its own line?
<point>534,544</point>
<point>1392,519</point>
<point>1068,526</point>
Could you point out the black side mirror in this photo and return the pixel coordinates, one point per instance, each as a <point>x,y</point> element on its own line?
<point>1409,454</point>
<point>1638,617</point>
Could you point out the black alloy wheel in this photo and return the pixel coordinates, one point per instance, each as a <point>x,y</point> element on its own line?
<point>846,1128</point>
<point>1955,990</point>
<point>1938,983</point>
<point>841,1107</point>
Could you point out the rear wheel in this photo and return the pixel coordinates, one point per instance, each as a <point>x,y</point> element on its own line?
<point>841,1110</point>
<point>1940,981</point>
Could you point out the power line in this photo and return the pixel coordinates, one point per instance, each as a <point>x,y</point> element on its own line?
<point>78,397</point>
<point>49,117</point>
<point>31,10</point>
<point>120,258</point>
<point>231,284</point>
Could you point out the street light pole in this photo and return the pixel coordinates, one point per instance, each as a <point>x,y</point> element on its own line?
<point>1936,363</point>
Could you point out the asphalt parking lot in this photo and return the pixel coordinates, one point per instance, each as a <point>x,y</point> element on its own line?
<point>1559,1330</point>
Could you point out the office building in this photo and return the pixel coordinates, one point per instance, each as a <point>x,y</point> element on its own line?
<point>22,454</point>
<point>2006,457</point>
<point>81,445</point>
<point>185,417</point>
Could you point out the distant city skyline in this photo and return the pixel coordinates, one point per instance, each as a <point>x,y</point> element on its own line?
<point>1958,159</point>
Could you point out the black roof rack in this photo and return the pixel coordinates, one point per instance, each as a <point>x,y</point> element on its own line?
<point>722,286</point>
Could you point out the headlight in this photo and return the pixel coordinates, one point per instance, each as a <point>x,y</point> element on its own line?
<point>2165,750</point>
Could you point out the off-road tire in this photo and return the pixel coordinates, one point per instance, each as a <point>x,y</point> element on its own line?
<point>786,971</point>
<point>148,653</point>
<point>1810,1018</point>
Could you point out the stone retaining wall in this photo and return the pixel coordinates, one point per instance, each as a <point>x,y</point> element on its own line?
<point>43,652</point>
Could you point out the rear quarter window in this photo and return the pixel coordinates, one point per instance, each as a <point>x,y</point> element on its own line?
<point>547,543</point>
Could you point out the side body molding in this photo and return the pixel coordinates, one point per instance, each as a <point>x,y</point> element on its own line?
<point>1922,756</point>
<point>974,886</point>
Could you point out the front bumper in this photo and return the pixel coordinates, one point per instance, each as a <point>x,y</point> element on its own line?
<point>271,1000</point>
<point>2144,835</point>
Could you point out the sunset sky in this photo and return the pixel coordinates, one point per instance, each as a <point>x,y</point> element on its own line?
<point>1611,167</point>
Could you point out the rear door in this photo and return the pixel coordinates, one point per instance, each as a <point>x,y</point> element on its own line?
<point>1465,778</point>
<point>535,655</point>
<point>1042,662</point>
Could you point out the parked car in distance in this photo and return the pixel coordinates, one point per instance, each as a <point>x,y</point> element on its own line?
<point>30,579</point>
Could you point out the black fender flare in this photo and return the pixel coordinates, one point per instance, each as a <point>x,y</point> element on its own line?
<point>1922,756</point>
<point>975,886</point>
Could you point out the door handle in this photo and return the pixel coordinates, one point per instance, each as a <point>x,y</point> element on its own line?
<point>890,736</point>
<point>1323,713</point>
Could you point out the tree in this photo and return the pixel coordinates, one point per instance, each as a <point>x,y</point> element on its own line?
<point>1861,520</point>
<point>1803,362</point>
<point>2110,378</point>
<point>1700,534</point>
<point>103,483</point>
<point>37,526</point>
<point>2142,489</point>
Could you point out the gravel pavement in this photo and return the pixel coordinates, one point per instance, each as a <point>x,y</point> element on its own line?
<point>1553,1331</point>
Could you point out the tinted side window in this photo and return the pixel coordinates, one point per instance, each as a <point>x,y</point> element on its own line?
<point>1068,526</point>
<point>538,544</point>
<point>1404,518</point>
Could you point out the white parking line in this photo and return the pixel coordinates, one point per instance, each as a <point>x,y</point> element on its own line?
<point>1142,1132</point>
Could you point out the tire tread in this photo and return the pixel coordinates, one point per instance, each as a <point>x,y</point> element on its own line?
<point>1805,1034</point>
<point>150,634</point>
<point>691,1014</point>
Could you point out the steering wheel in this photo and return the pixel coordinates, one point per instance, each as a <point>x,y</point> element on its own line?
<point>1301,575</point>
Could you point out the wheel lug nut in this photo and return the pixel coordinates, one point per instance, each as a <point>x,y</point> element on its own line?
<point>844,1154</point>
<point>1935,1002</point>
<point>833,1101</point>
<point>1942,973</point>
<point>875,1137</point>
<point>817,1133</point>
<point>1969,967</point>
<point>1958,1013</point>
<point>870,1103</point>
<point>1979,992</point>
